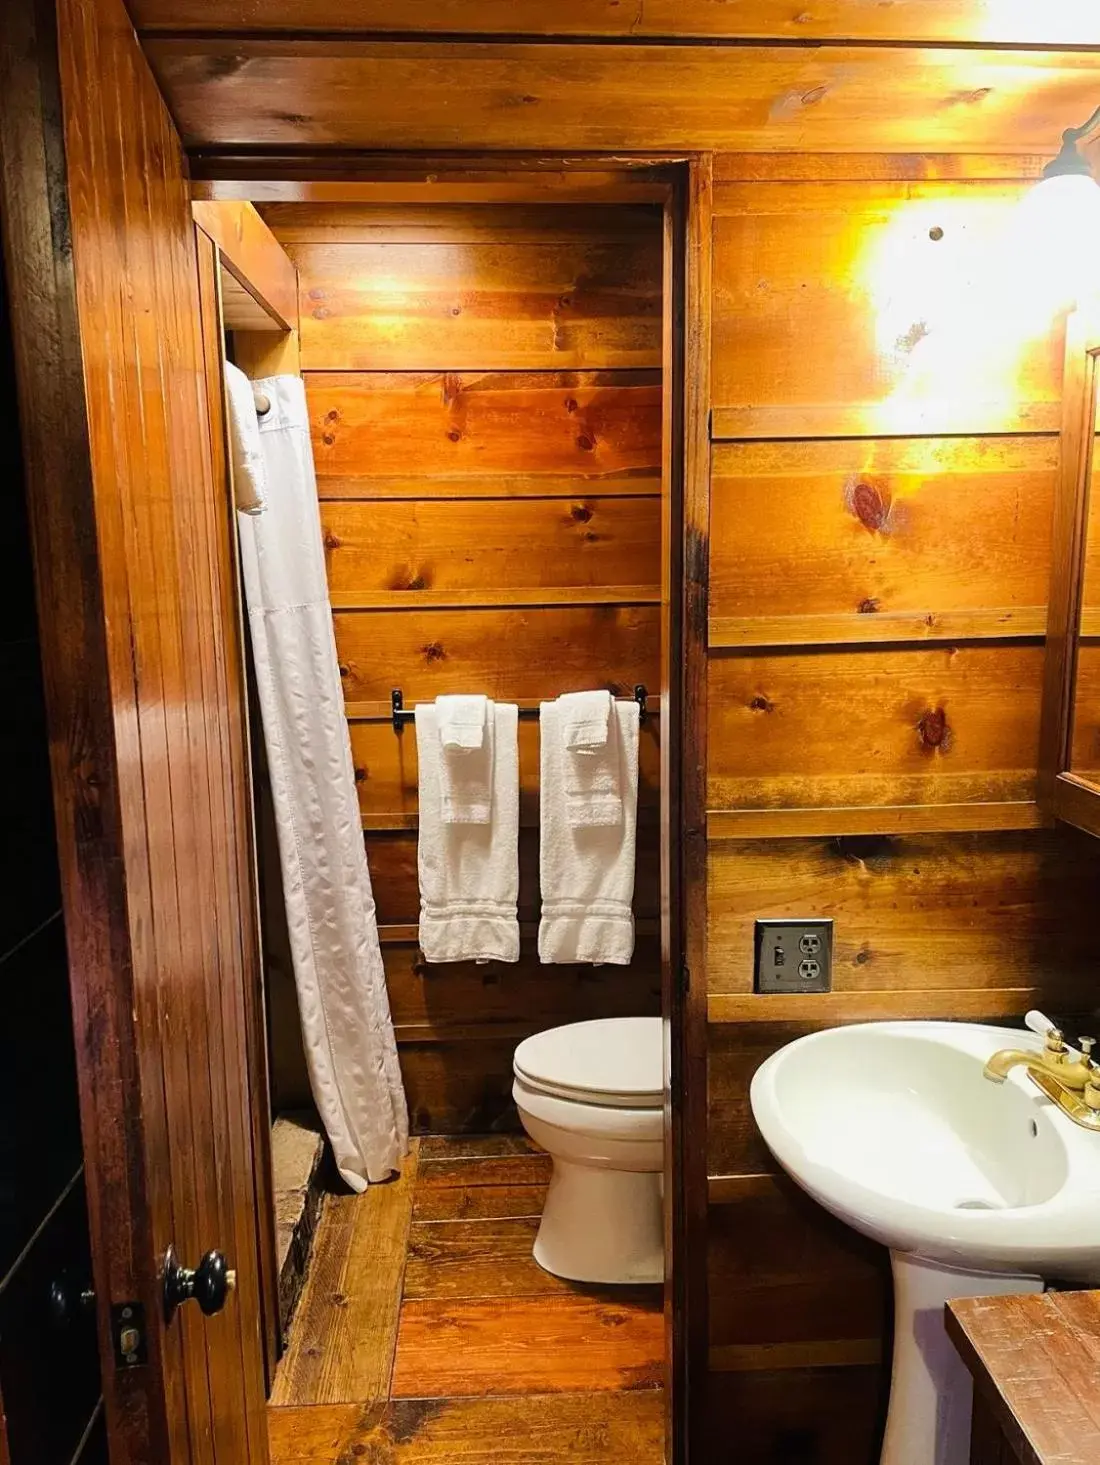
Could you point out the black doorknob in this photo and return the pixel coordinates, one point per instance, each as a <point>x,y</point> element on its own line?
<point>69,1300</point>
<point>209,1284</point>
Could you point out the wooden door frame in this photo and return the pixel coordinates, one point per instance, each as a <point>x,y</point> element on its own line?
<point>681,185</point>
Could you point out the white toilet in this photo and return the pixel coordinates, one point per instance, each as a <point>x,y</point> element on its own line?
<point>592,1095</point>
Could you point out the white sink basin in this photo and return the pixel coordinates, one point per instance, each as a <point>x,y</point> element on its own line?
<point>977,1188</point>
<point>892,1127</point>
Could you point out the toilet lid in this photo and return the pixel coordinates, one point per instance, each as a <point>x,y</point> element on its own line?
<point>615,1061</point>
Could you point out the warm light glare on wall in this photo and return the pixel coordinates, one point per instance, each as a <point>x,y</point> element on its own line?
<point>1023,21</point>
<point>960,288</point>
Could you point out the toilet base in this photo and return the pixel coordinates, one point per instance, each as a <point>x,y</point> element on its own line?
<point>931,1391</point>
<point>601,1225</point>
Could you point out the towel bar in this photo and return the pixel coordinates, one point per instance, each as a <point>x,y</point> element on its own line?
<point>402,714</point>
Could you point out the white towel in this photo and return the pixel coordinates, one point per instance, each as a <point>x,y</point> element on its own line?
<point>591,771</point>
<point>587,870</point>
<point>462,721</point>
<point>466,760</point>
<point>584,719</point>
<point>246,454</point>
<point>469,872</point>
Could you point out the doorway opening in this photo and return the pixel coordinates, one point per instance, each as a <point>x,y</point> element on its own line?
<point>487,385</point>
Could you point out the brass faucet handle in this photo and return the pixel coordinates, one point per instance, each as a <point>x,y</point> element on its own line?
<point>1055,1041</point>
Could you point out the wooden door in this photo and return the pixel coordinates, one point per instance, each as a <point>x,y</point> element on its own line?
<point>143,682</point>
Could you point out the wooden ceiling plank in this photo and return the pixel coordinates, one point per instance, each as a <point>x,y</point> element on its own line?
<point>308,94</point>
<point>989,22</point>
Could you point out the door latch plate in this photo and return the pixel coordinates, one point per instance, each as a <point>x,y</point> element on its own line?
<point>128,1335</point>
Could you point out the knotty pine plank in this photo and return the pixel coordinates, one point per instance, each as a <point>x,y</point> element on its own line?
<point>457,223</point>
<point>439,995</point>
<point>455,1349</point>
<point>782,1271</point>
<point>481,548</point>
<point>569,304</point>
<point>342,1341</point>
<point>460,1086</point>
<point>511,655</point>
<point>863,534</point>
<point>831,1416</point>
<point>921,913</point>
<point>864,726</point>
<point>238,92</point>
<point>422,434</point>
<point>1059,23</point>
<point>584,1428</point>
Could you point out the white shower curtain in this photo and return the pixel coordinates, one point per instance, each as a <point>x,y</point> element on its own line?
<point>342,996</point>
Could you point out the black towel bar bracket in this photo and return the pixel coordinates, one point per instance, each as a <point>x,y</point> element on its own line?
<point>402,714</point>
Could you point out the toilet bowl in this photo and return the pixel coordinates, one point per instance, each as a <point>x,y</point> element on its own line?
<point>591,1094</point>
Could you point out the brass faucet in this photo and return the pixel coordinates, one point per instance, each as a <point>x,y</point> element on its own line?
<point>1071,1082</point>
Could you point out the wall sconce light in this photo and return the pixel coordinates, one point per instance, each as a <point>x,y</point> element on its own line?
<point>1067,201</point>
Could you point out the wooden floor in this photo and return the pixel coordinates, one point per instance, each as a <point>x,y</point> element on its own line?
<point>427,1332</point>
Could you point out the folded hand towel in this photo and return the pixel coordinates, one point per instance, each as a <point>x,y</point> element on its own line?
<point>587,869</point>
<point>469,872</point>
<point>461,721</point>
<point>591,769</point>
<point>465,768</point>
<point>584,719</point>
<point>247,462</point>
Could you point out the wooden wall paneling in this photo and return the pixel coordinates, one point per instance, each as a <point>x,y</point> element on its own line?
<point>265,353</point>
<point>933,912</point>
<point>508,654</point>
<point>240,91</point>
<point>995,22</point>
<point>880,540</point>
<point>867,726</point>
<point>134,632</point>
<point>783,1272</point>
<point>493,434</point>
<point>386,774</point>
<point>468,306</point>
<point>431,998</point>
<point>387,179</point>
<point>479,221</point>
<point>898,295</point>
<point>832,1416</point>
<point>254,257</point>
<point>485,396</point>
<point>399,551</point>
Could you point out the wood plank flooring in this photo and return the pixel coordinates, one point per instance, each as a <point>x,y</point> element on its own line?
<point>428,1333</point>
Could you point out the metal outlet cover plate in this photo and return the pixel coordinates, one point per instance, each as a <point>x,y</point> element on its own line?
<point>793,956</point>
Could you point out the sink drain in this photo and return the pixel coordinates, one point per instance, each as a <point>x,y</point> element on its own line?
<point>976,1205</point>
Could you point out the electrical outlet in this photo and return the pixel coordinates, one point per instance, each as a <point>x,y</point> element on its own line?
<point>794,956</point>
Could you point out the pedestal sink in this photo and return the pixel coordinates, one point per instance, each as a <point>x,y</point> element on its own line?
<point>977,1189</point>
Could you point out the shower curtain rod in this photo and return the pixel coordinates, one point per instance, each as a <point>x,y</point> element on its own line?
<point>402,714</point>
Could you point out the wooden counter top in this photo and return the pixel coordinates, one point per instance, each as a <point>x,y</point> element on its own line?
<point>1036,1366</point>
